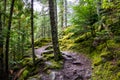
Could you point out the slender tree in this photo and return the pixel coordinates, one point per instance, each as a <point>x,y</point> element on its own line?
<point>55,10</point>
<point>1,47</point>
<point>32,32</point>
<point>54,30</point>
<point>7,41</point>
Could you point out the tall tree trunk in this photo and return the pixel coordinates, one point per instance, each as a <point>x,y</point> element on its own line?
<point>65,13</point>
<point>5,1</point>
<point>4,25</point>
<point>54,30</point>
<point>1,49</point>
<point>7,41</point>
<point>55,11</point>
<point>32,32</point>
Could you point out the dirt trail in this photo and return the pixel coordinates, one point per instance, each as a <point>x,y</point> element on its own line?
<point>76,67</point>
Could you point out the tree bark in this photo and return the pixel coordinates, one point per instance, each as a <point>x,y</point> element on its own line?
<point>7,42</point>
<point>32,32</point>
<point>1,49</point>
<point>55,11</point>
<point>54,30</point>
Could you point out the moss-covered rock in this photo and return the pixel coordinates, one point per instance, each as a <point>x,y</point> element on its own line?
<point>55,64</point>
<point>83,37</point>
<point>118,75</point>
<point>48,56</point>
<point>107,56</point>
<point>41,42</point>
<point>27,61</point>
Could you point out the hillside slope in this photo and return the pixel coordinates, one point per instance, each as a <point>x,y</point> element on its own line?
<point>104,52</point>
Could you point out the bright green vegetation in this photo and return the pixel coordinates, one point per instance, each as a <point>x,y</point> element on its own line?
<point>44,65</point>
<point>105,56</point>
<point>89,27</point>
<point>41,42</point>
<point>96,34</point>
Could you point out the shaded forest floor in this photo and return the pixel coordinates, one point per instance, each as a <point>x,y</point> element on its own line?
<point>74,67</point>
<point>82,59</point>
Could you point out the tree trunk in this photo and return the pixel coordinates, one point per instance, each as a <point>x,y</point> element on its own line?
<point>5,1</point>
<point>55,11</point>
<point>7,42</point>
<point>32,32</point>
<point>1,49</point>
<point>54,30</point>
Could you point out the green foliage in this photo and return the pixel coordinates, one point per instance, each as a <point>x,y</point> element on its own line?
<point>103,55</point>
<point>24,74</point>
<point>83,37</point>
<point>117,39</point>
<point>84,13</point>
<point>41,42</point>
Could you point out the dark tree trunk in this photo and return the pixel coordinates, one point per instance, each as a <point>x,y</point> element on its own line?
<point>55,11</point>
<point>7,42</point>
<point>4,19</point>
<point>32,32</point>
<point>1,49</point>
<point>54,30</point>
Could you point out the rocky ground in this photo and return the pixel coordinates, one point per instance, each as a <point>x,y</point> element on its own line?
<point>75,67</point>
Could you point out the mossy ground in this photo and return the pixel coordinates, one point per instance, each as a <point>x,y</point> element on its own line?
<point>105,56</point>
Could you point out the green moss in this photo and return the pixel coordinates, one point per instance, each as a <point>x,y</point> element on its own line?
<point>68,36</point>
<point>41,42</point>
<point>56,64</point>
<point>69,30</point>
<point>48,56</point>
<point>101,47</point>
<point>24,74</point>
<point>118,75</point>
<point>103,72</point>
<point>35,77</point>
<point>117,39</point>
<point>111,43</point>
<point>102,55</point>
<point>118,63</point>
<point>106,55</point>
<point>83,37</point>
<point>97,60</point>
<point>27,61</point>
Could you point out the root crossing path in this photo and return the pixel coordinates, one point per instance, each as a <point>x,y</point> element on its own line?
<point>76,66</point>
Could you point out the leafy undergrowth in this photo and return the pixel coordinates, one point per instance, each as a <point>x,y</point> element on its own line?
<point>104,53</point>
<point>25,70</point>
<point>40,67</point>
<point>41,42</point>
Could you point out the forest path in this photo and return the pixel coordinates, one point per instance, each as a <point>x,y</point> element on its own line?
<point>76,66</point>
